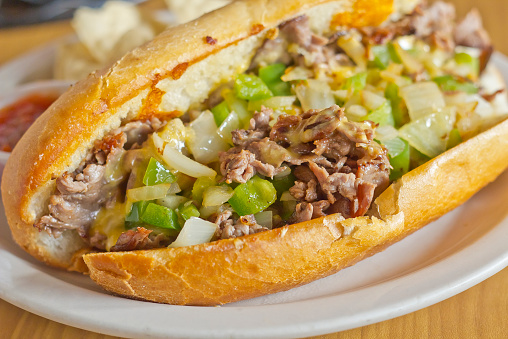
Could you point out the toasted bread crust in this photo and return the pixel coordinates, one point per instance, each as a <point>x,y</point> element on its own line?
<point>152,80</point>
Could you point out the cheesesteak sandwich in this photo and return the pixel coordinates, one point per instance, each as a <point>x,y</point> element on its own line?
<point>261,147</point>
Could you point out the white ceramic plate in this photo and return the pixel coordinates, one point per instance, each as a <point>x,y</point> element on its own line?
<point>458,251</point>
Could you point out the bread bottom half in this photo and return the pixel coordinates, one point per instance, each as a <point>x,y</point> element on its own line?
<point>235,269</point>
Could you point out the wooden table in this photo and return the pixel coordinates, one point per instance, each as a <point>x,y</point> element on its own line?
<point>481,311</point>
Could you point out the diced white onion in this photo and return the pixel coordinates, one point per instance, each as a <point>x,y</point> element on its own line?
<point>314,94</point>
<point>484,115</point>
<point>172,201</point>
<point>205,212</point>
<point>392,74</point>
<point>394,146</point>
<point>183,164</point>
<point>158,142</point>
<point>281,102</point>
<point>174,134</point>
<point>429,134</point>
<point>411,63</point>
<point>372,100</point>
<point>217,195</point>
<point>205,144</point>
<point>422,98</point>
<point>455,98</point>
<point>148,192</point>
<point>195,231</point>
<point>355,112</point>
<point>286,196</point>
<point>352,45</point>
<point>229,124</point>
<point>264,219</point>
<point>483,108</point>
<point>113,171</point>
<point>341,94</point>
<point>296,73</point>
<point>386,132</point>
<point>174,188</point>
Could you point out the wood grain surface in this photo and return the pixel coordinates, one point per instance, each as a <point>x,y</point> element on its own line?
<point>480,312</point>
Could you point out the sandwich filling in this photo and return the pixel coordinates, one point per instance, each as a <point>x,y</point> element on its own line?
<point>317,125</point>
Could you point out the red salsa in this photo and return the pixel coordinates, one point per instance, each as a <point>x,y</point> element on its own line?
<point>18,116</point>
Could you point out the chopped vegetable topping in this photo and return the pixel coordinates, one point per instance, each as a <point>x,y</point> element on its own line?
<point>252,197</point>
<point>450,83</point>
<point>271,75</point>
<point>188,210</point>
<point>156,174</point>
<point>250,87</point>
<point>220,113</point>
<point>160,216</point>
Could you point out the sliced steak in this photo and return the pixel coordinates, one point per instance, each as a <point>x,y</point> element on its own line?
<point>78,200</point>
<point>244,225</point>
<point>80,195</point>
<point>139,239</point>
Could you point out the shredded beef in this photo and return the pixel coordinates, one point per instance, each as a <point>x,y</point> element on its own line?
<point>80,195</point>
<point>253,153</point>
<point>78,201</point>
<point>337,163</point>
<point>306,211</point>
<point>306,191</point>
<point>470,32</point>
<point>314,49</point>
<point>139,239</point>
<point>353,163</point>
<point>273,51</point>
<point>435,24</point>
<point>245,225</point>
<point>240,167</point>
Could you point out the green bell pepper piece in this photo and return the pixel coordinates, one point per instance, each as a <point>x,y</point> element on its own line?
<point>453,139</point>
<point>188,210</point>
<point>253,196</point>
<point>356,82</point>
<point>156,174</point>
<point>271,77</point>
<point>239,106</point>
<point>466,59</point>
<point>400,116</point>
<point>160,216</point>
<point>220,113</point>
<point>393,53</point>
<point>381,55</point>
<point>250,87</point>
<point>137,210</point>
<point>450,83</point>
<point>381,115</point>
<point>400,163</point>
<point>283,184</point>
<point>200,185</point>
<point>417,158</point>
<point>395,146</point>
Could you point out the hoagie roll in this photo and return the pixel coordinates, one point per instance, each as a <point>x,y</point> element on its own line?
<point>260,147</point>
